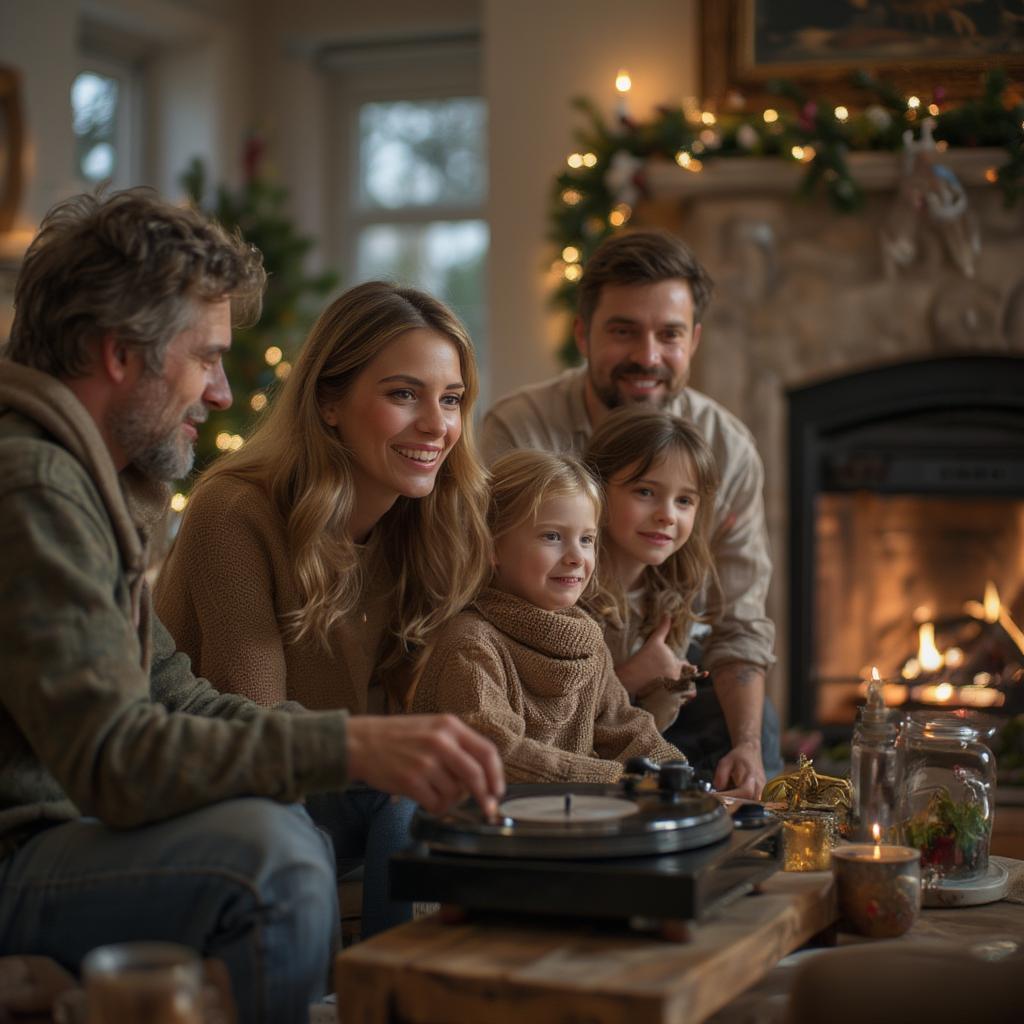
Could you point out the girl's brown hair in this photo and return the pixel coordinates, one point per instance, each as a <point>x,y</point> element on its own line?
<point>621,450</point>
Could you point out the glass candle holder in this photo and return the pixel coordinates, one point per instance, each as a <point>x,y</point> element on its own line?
<point>878,887</point>
<point>156,982</point>
<point>807,839</point>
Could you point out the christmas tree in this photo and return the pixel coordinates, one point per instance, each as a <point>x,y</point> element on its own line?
<point>261,355</point>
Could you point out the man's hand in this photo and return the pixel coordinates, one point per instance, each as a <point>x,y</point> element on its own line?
<point>744,768</point>
<point>652,663</point>
<point>433,759</point>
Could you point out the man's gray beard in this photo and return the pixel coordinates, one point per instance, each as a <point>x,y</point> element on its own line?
<point>158,456</point>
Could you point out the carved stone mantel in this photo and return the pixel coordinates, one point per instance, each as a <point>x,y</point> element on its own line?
<point>803,293</point>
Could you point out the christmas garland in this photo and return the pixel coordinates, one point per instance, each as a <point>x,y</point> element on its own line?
<point>594,196</point>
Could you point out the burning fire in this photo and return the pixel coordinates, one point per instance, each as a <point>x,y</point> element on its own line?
<point>929,659</point>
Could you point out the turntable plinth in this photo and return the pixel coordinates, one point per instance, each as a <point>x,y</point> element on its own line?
<point>505,972</point>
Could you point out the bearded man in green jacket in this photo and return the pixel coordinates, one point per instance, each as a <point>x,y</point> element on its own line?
<point>137,802</point>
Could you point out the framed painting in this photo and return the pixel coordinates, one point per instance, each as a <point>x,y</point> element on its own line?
<point>914,45</point>
<point>10,148</point>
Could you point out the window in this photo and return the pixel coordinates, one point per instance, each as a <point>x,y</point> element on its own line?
<point>104,101</point>
<point>413,178</point>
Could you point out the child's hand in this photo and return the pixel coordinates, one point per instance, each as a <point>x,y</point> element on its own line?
<point>654,662</point>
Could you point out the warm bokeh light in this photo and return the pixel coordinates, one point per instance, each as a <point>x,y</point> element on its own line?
<point>572,272</point>
<point>178,502</point>
<point>933,109</point>
<point>571,197</point>
<point>991,175</point>
<point>574,160</point>
<point>990,602</point>
<point>928,655</point>
<point>571,254</point>
<point>620,215</point>
<point>589,159</point>
<point>258,402</point>
<point>842,114</point>
<point>706,117</point>
<point>282,370</point>
<point>913,102</point>
<point>770,116</point>
<point>273,355</point>
<point>798,152</point>
<point>622,81</point>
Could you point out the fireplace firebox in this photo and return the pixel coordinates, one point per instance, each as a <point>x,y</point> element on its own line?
<point>907,537</point>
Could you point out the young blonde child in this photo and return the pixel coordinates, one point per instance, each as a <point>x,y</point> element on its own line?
<point>659,479</point>
<point>524,664</point>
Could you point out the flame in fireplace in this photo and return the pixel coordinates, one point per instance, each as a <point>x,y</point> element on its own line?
<point>928,655</point>
<point>991,603</point>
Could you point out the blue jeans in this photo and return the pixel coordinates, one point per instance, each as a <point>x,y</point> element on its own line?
<point>367,826</point>
<point>249,881</point>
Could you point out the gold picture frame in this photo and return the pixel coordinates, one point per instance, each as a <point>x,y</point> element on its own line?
<point>11,143</point>
<point>913,46</point>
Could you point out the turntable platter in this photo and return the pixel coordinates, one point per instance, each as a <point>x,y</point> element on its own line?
<point>567,809</point>
<point>579,821</point>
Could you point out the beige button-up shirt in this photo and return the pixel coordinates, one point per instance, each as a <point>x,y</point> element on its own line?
<point>552,416</point>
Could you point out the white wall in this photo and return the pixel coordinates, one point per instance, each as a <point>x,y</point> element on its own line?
<point>39,41</point>
<point>538,55</point>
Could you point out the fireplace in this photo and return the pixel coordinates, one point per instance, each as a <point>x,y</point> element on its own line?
<point>803,296</point>
<point>907,537</point>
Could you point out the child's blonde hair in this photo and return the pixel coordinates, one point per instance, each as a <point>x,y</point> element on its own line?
<point>522,480</point>
<point>631,440</point>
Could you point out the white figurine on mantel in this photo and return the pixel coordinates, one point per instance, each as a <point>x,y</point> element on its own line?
<point>929,189</point>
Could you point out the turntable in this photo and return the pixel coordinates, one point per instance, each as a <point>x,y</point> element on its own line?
<point>656,847</point>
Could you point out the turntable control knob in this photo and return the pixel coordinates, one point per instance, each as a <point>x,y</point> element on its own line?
<point>641,766</point>
<point>675,776</point>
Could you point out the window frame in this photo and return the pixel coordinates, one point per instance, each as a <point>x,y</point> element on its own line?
<point>128,143</point>
<point>446,68</point>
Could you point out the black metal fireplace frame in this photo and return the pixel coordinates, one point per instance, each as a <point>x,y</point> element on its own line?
<point>952,426</point>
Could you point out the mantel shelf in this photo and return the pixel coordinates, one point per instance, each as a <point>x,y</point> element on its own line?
<point>754,175</point>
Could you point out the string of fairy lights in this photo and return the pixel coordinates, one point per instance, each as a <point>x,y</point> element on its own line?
<point>604,179</point>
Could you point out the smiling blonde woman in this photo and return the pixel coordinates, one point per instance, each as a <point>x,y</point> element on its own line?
<point>315,563</point>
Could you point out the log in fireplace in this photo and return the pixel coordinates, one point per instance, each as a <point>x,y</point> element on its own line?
<point>907,537</point>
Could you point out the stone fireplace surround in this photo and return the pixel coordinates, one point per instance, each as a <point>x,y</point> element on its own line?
<point>803,295</point>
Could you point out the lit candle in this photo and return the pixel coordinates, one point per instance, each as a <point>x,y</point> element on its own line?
<point>878,887</point>
<point>623,83</point>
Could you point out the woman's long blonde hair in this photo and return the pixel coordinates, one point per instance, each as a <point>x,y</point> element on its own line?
<point>522,480</point>
<point>437,547</point>
<point>630,440</point>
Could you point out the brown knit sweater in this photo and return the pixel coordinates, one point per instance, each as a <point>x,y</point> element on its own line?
<point>541,685</point>
<point>227,587</point>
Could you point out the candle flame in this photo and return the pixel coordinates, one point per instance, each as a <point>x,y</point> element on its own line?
<point>928,655</point>
<point>876,833</point>
<point>874,674</point>
<point>622,81</point>
<point>991,602</point>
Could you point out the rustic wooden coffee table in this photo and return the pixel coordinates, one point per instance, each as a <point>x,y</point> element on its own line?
<point>495,971</point>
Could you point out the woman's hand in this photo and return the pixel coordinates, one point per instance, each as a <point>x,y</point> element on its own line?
<point>654,662</point>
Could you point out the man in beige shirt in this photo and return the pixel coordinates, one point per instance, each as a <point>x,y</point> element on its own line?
<point>642,296</point>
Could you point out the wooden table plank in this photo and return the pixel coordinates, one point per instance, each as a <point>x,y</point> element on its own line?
<point>501,972</point>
